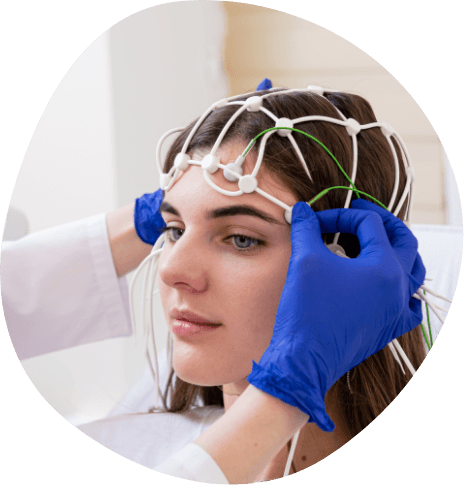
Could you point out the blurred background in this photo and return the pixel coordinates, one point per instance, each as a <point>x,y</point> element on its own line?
<point>93,149</point>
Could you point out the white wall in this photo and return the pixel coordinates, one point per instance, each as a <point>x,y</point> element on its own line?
<point>453,200</point>
<point>93,151</point>
<point>68,171</point>
<point>166,71</point>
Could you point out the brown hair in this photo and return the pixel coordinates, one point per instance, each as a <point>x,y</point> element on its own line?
<point>379,379</point>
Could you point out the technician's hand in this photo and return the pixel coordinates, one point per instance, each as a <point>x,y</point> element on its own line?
<point>147,219</point>
<point>335,312</point>
<point>403,241</point>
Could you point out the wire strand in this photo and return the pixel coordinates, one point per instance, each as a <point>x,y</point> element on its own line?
<point>291,453</point>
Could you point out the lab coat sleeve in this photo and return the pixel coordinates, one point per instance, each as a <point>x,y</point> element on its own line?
<point>193,463</point>
<point>60,289</point>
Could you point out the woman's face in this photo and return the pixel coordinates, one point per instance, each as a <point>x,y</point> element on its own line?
<point>224,262</point>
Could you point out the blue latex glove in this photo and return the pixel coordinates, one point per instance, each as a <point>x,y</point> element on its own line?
<point>147,218</point>
<point>335,312</point>
<point>400,236</point>
<point>264,85</point>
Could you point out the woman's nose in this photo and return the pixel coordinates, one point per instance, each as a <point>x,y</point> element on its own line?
<point>183,265</point>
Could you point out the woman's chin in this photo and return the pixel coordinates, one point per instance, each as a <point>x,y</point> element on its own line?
<point>205,376</point>
<point>199,381</point>
<point>201,377</point>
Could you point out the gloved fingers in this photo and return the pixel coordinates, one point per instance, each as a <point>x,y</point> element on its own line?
<point>396,229</point>
<point>400,236</point>
<point>148,221</point>
<point>418,270</point>
<point>411,318</point>
<point>417,276</point>
<point>366,225</point>
<point>306,234</point>
<point>415,307</point>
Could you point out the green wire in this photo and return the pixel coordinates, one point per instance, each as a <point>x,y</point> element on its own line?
<point>428,320</point>
<point>321,194</point>
<point>425,336</point>
<point>305,134</point>
<point>324,192</point>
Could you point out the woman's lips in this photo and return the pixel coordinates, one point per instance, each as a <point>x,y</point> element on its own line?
<point>189,316</point>
<point>189,324</point>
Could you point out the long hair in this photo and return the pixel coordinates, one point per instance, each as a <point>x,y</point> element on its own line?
<point>374,383</point>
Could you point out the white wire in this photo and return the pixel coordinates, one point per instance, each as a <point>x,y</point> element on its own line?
<point>406,190</point>
<point>432,306</point>
<point>396,356</point>
<point>353,180</point>
<point>209,181</point>
<point>354,172</point>
<point>195,128</point>
<point>342,116</point>
<point>273,199</point>
<point>442,309</point>
<point>153,271</point>
<point>276,93</point>
<point>291,453</point>
<point>226,127</point>
<point>134,278</point>
<point>428,290</point>
<point>160,144</point>
<point>404,356</point>
<point>262,146</point>
<point>397,174</point>
<point>269,113</point>
<point>304,119</point>
<point>146,323</point>
<point>170,364</point>
<point>150,264</point>
<point>169,352</point>
<point>407,159</point>
<point>300,156</point>
<point>409,182</point>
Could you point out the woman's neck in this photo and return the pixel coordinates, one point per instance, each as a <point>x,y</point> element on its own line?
<point>313,443</point>
<point>231,392</point>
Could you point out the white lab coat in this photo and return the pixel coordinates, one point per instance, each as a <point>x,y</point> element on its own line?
<point>59,290</point>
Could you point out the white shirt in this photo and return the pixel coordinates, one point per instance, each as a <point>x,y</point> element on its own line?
<point>152,438</point>
<point>59,290</point>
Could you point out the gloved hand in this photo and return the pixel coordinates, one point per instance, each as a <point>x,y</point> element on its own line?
<point>335,312</point>
<point>147,218</point>
<point>400,236</point>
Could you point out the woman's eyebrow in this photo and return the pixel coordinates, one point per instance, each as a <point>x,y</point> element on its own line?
<point>229,211</point>
<point>242,210</point>
<point>166,207</point>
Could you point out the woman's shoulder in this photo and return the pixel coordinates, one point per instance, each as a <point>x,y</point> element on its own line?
<point>150,438</point>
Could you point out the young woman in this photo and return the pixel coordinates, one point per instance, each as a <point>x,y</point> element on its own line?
<point>265,249</point>
<point>272,332</point>
<point>225,259</point>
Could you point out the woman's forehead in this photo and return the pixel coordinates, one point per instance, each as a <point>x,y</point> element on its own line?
<point>228,153</point>
<point>193,193</point>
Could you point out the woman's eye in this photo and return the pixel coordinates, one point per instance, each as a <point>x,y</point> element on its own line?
<point>244,242</point>
<point>241,243</point>
<point>174,233</point>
